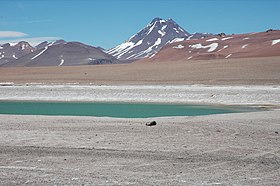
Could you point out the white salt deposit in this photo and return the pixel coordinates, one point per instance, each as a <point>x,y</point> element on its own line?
<point>145,93</point>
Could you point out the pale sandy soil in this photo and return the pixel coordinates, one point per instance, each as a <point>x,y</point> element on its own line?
<point>254,71</point>
<point>231,149</point>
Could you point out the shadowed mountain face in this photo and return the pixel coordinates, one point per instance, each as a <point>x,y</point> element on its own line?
<point>221,46</point>
<point>151,39</point>
<point>46,43</point>
<point>10,52</point>
<point>64,54</point>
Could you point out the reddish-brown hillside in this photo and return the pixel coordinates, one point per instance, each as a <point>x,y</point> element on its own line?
<point>263,44</point>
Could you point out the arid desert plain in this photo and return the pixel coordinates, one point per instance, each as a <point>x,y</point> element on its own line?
<point>224,149</point>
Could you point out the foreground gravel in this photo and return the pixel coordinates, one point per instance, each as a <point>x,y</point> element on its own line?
<point>229,149</point>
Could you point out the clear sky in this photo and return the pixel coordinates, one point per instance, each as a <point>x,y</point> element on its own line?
<point>107,23</point>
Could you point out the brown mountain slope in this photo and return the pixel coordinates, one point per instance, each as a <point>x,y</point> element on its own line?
<point>263,44</point>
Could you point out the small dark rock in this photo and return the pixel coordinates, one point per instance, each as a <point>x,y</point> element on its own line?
<point>153,123</point>
<point>276,132</point>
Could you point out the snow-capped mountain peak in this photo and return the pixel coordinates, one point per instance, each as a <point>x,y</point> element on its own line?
<point>150,40</point>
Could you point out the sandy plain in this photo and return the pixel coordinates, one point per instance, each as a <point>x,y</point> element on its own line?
<point>227,149</point>
<point>245,71</point>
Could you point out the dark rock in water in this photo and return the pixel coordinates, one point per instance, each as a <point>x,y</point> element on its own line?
<point>153,123</point>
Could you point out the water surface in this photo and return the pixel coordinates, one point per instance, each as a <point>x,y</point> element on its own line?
<point>119,110</point>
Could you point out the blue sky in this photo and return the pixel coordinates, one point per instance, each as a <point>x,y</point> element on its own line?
<point>107,23</point>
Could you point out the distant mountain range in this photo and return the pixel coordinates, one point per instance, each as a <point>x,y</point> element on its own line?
<point>151,39</point>
<point>57,53</point>
<point>161,40</point>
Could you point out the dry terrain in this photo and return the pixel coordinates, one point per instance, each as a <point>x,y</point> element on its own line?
<point>249,71</point>
<point>230,149</point>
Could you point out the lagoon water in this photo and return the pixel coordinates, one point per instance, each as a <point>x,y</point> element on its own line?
<point>119,110</point>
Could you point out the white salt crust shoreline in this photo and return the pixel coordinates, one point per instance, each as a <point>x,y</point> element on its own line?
<point>199,94</point>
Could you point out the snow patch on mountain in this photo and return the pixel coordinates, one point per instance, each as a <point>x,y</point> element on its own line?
<point>226,46</point>
<point>12,44</point>
<point>228,56</point>
<point>226,38</point>
<point>177,40</point>
<point>40,53</point>
<point>61,62</point>
<point>213,39</point>
<point>179,46</point>
<point>244,46</point>
<point>150,40</point>
<point>211,47</point>
<point>274,42</point>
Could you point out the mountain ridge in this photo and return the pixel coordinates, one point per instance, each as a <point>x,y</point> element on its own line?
<point>62,53</point>
<point>159,40</point>
<point>222,46</point>
<point>151,39</point>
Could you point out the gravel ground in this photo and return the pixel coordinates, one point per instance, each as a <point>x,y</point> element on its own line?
<point>227,149</point>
